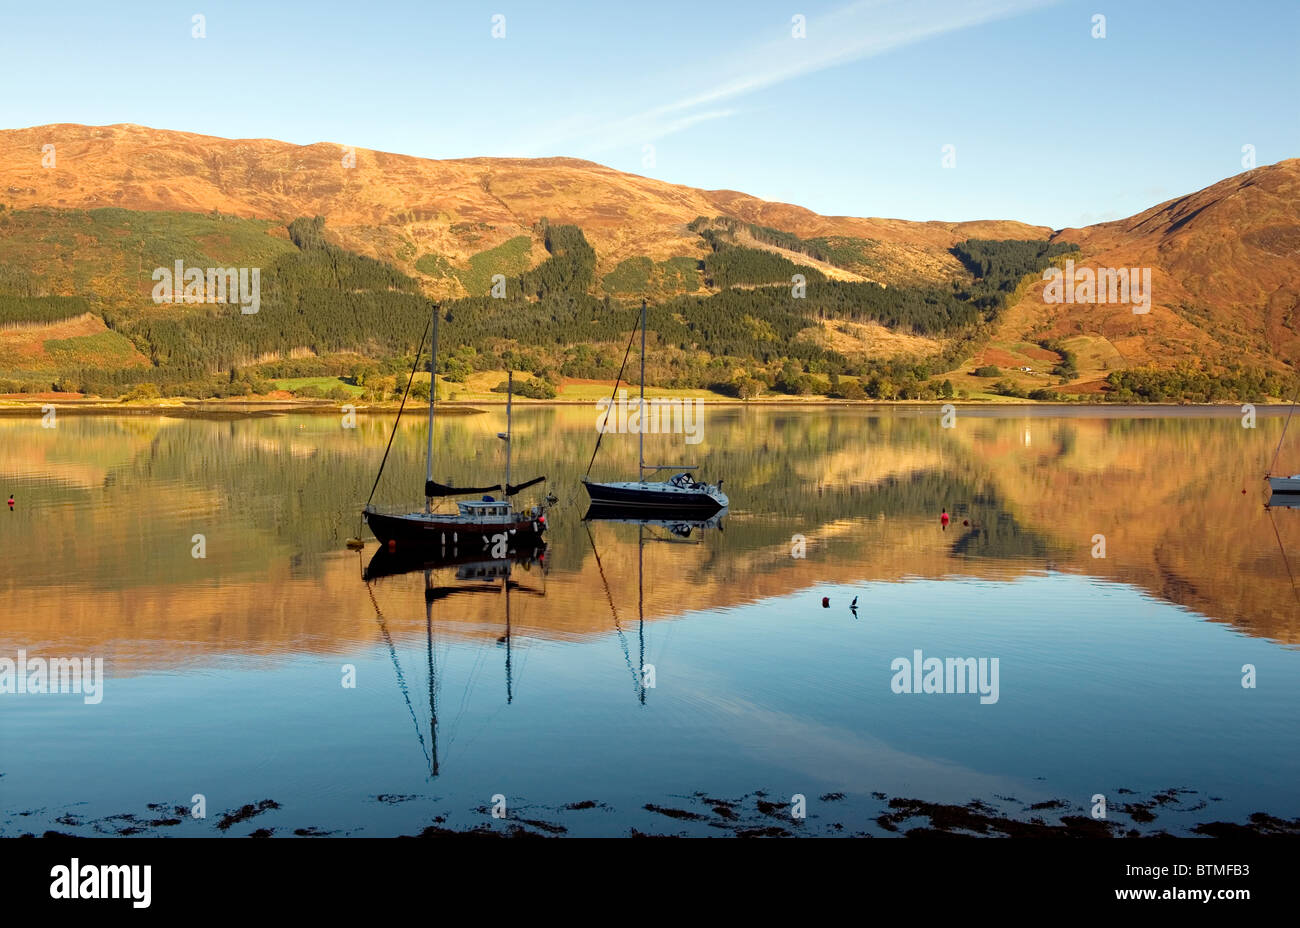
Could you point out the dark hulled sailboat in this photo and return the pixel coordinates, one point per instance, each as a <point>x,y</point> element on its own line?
<point>489,521</point>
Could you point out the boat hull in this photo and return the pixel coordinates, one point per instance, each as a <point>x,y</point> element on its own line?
<point>433,531</point>
<point>655,497</point>
<point>1289,486</point>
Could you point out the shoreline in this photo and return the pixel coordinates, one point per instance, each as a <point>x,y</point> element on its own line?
<point>1172,812</point>
<point>11,407</point>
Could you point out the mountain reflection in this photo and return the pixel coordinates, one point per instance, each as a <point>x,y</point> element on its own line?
<point>100,543</point>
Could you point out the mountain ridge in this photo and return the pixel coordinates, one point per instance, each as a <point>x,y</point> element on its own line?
<point>199,180</point>
<point>1225,260</point>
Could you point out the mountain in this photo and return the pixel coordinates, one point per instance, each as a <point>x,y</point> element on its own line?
<point>397,207</point>
<point>1225,279</point>
<point>84,223</point>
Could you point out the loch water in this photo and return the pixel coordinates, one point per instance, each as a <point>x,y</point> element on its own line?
<point>1119,566</point>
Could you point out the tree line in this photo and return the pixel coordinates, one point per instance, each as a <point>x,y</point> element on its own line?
<point>362,315</point>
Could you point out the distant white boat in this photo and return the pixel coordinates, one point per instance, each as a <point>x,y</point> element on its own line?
<point>681,495</point>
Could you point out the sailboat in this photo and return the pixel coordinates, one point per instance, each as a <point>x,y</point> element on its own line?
<point>494,522</point>
<point>679,494</point>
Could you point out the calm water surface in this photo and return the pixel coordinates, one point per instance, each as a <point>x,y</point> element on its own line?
<point>225,673</point>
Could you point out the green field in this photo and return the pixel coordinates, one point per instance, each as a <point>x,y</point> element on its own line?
<point>599,391</point>
<point>324,384</point>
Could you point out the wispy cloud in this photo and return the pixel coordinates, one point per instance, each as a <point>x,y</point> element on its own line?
<point>850,33</point>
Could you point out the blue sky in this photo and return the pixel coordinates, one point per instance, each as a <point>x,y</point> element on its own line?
<point>1049,124</point>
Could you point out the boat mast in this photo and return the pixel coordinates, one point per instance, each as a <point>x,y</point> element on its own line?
<point>653,468</point>
<point>433,393</point>
<point>1285,426</point>
<point>510,395</point>
<point>641,418</point>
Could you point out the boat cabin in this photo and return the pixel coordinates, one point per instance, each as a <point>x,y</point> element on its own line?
<point>484,507</point>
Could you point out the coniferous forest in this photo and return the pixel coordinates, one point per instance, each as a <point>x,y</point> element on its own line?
<point>764,323</point>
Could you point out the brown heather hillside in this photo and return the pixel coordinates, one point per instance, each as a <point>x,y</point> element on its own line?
<point>399,207</point>
<point>1225,278</point>
<point>1225,260</point>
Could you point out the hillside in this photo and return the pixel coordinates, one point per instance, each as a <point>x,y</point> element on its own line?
<point>893,309</point>
<point>399,208</point>
<point>1225,280</point>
